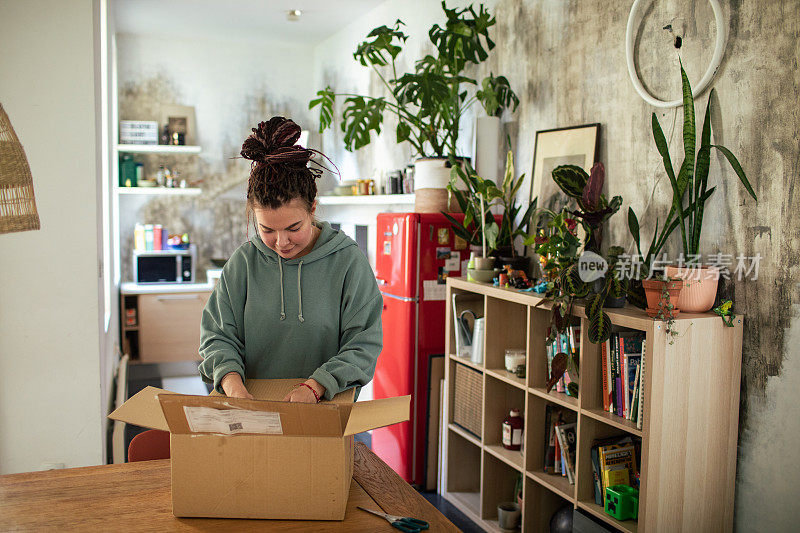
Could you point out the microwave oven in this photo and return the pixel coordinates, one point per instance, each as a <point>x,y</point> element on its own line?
<point>164,266</point>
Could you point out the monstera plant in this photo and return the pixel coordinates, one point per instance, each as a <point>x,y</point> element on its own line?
<point>429,102</point>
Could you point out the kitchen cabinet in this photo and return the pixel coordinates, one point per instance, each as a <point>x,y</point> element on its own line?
<point>162,324</point>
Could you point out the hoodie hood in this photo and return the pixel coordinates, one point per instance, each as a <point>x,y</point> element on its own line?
<point>328,242</point>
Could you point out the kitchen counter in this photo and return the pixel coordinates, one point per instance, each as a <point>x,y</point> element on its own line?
<point>164,288</point>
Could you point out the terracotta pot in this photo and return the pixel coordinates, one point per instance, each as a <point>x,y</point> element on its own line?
<point>655,303</point>
<point>699,287</point>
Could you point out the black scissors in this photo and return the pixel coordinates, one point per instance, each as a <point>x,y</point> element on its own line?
<point>403,523</point>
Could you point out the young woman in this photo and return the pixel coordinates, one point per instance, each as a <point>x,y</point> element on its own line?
<point>299,299</point>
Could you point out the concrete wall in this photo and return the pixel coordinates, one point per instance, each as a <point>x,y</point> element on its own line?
<point>50,393</point>
<point>566,60</point>
<point>233,84</point>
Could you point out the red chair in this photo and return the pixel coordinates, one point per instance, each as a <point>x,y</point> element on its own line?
<point>149,445</point>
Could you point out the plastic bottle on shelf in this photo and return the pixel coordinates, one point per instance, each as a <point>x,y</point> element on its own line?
<point>512,430</point>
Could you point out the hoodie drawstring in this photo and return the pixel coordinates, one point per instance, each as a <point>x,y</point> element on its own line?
<point>280,268</point>
<point>299,293</point>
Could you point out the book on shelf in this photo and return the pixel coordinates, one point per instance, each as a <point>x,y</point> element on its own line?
<point>604,360</point>
<point>567,439</point>
<point>568,343</point>
<point>640,406</point>
<point>621,357</point>
<point>614,462</point>
<point>634,413</point>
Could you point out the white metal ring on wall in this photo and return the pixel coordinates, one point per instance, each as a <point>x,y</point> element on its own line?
<point>719,50</point>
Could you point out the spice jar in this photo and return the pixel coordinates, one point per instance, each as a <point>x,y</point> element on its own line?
<point>512,431</point>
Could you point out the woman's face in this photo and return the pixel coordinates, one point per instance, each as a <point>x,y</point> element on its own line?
<point>287,230</point>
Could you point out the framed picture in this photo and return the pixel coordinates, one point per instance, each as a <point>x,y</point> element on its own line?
<point>576,145</point>
<point>179,119</point>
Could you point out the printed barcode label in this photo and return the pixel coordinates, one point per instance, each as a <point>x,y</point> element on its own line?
<point>232,421</point>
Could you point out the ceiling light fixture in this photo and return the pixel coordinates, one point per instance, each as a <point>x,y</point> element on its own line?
<point>293,15</point>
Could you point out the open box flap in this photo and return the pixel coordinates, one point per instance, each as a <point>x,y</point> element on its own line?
<point>376,413</point>
<point>273,417</point>
<point>143,409</point>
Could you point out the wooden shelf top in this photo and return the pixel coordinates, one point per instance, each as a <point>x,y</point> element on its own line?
<point>466,435</point>
<point>555,482</point>
<point>613,420</point>
<point>467,362</point>
<point>628,316</point>
<point>509,377</point>
<point>629,526</point>
<point>510,457</point>
<point>556,397</point>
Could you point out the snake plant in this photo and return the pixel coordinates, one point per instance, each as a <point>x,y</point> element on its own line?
<point>690,185</point>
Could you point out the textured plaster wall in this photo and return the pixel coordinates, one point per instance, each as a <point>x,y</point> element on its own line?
<point>566,60</point>
<point>232,85</point>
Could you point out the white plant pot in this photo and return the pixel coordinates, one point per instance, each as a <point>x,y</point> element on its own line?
<point>431,176</point>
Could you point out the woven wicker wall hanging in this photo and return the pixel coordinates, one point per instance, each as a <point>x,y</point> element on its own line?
<point>17,203</point>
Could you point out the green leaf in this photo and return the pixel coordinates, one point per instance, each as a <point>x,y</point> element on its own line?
<point>633,227</point>
<point>325,103</point>
<point>571,179</point>
<point>677,201</point>
<point>689,134</point>
<point>403,132</point>
<point>496,95</point>
<point>379,50</point>
<point>491,230</point>
<point>737,168</point>
<point>361,116</point>
<point>599,322</point>
<point>701,176</point>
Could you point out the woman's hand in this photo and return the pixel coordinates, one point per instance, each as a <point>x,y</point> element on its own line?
<point>302,394</point>
<point>234,387</point>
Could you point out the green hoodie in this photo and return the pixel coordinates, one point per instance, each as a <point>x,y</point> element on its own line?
<point>317,316</point>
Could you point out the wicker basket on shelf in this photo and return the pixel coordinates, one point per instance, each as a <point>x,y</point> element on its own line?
<point>17,203</point>
<point>468,394</point>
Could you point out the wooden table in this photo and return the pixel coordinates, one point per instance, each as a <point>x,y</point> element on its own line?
<point>136,497</point>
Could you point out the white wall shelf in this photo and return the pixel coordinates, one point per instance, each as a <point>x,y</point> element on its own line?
<point>372,199</point>
<point>159,191</point>
<point>157,149</point>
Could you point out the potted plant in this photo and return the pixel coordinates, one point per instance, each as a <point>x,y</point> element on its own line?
<point>427,103</point>
<point>476,201</point>
<point>692,181</point>
<point>587,191</point>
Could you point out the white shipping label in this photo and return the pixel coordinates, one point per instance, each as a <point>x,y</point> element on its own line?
<point>232,421</point>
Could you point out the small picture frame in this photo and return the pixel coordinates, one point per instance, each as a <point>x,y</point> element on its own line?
<point>168,111</point>
<point>176,129</point>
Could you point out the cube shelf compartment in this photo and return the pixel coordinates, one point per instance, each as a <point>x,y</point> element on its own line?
<point>682,413</point>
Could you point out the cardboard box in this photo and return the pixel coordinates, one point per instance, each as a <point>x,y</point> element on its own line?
<point>264,458</point>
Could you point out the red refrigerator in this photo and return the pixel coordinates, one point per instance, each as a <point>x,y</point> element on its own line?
<point>415,253</point>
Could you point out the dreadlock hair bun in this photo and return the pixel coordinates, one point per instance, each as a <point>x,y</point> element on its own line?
<point>279,172</point>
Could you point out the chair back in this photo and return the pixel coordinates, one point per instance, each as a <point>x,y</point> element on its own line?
<point>149,445</point>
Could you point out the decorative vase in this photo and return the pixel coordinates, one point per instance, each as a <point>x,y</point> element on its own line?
<point>431,176</point>
<point>488,142</point>
<point>699,287</point>
<point>658,302</point>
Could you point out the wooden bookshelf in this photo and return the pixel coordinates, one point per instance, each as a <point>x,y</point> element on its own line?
<point>689,435</point>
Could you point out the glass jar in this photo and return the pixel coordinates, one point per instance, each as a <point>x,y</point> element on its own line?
<point>514,358</point>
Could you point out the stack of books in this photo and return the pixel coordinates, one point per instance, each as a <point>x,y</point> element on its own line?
<point>614,462</point>
<point>568,343</point>
<point>561,440</point>
<point>623,367</point>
